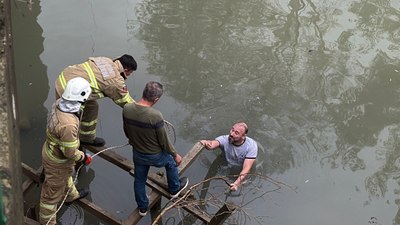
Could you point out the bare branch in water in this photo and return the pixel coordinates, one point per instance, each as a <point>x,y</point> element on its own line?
<point>216,200</point>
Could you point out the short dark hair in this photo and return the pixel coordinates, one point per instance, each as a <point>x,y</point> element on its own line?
<point>152,90</point>
<point>128,62</point>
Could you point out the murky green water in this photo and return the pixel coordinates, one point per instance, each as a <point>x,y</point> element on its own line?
<point>318,82</point>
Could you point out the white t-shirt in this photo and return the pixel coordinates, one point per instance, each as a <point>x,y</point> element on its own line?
<point>235,155</point>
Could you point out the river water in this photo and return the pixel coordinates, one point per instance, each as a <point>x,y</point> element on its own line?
<point>318,83</point>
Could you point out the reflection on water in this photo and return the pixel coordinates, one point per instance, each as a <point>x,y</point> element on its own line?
<point>32,82</point>
<point>317,82</point>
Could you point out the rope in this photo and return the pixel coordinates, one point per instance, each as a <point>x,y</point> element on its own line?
<point>76,177</point>
<point>170,131</point>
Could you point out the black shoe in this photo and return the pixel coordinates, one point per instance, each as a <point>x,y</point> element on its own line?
<point>97,142</point>
<point>142,212</point>
<point>82,193</point>
<point>184,181</point>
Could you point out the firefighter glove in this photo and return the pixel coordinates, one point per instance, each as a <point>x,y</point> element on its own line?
<point>88,159</point>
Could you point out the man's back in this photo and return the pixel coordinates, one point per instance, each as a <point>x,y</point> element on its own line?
<point>144,127</point>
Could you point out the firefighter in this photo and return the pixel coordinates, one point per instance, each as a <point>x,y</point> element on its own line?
<point>60,150</point>
<point>107,79</point>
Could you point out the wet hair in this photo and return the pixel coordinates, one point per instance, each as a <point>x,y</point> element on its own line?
<point>152,91</point>
<point>128,62</point>
<point>243,124</point>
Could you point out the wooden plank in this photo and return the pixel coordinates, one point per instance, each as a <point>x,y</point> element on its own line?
<point>27,185</point>
<point>128,165</point>
<point>98,212</point>
<point>112,157</point>
<point>191,209</point>
<point>161,188</point>
<point>31,173</point>
<point>84,203</point>
<point>154,181</point>
<point>134,217</point>
<point>189,158</point>
<point>223,213</point>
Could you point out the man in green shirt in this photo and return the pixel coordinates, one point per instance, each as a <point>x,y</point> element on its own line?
<point>144,127</point>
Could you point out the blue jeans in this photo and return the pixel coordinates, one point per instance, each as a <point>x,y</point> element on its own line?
<point>142,166</point>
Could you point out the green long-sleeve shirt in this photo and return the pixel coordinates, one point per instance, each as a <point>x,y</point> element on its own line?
<point>144,127</point>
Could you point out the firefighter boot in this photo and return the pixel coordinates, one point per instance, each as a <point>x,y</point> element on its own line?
<point>82,193</point>
<point>97,142</point>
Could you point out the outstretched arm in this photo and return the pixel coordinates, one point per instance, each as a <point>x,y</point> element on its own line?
<point>247,164</point>
<point>210,144</point>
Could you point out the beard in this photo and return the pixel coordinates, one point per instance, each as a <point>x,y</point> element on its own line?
<point>230,139</point>
<point>235,141</point>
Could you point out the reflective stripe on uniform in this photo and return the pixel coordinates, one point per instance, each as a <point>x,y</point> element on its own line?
<point>93,81</point>
<point>70,182</point>
<point>64,144</point>
<point>45,216</point>
<point>126,99</point>
<point>53,141</point>
<point>87,132</point>
<point>73,194</point>
<point>50,154</point>
<point>88,124</point>
<point>47,212</point>
<point>61,78</point>
<point>48,206</point>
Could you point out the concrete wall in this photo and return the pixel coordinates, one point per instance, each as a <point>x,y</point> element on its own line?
<point>10,163</point>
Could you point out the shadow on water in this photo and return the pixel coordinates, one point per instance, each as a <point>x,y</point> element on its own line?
<point>32,81</point>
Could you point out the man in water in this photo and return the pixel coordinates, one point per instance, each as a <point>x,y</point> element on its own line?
<point>238,150</point>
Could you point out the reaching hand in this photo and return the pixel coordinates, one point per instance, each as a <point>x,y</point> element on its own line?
<point>178,159</point>
<point>233,187</point>
<point>207,144</point>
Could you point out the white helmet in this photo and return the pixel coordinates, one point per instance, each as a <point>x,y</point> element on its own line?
<point>78,89</point>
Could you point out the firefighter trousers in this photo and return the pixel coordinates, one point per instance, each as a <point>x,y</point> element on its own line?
<point>56,184</point>
<point>87,132</point>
